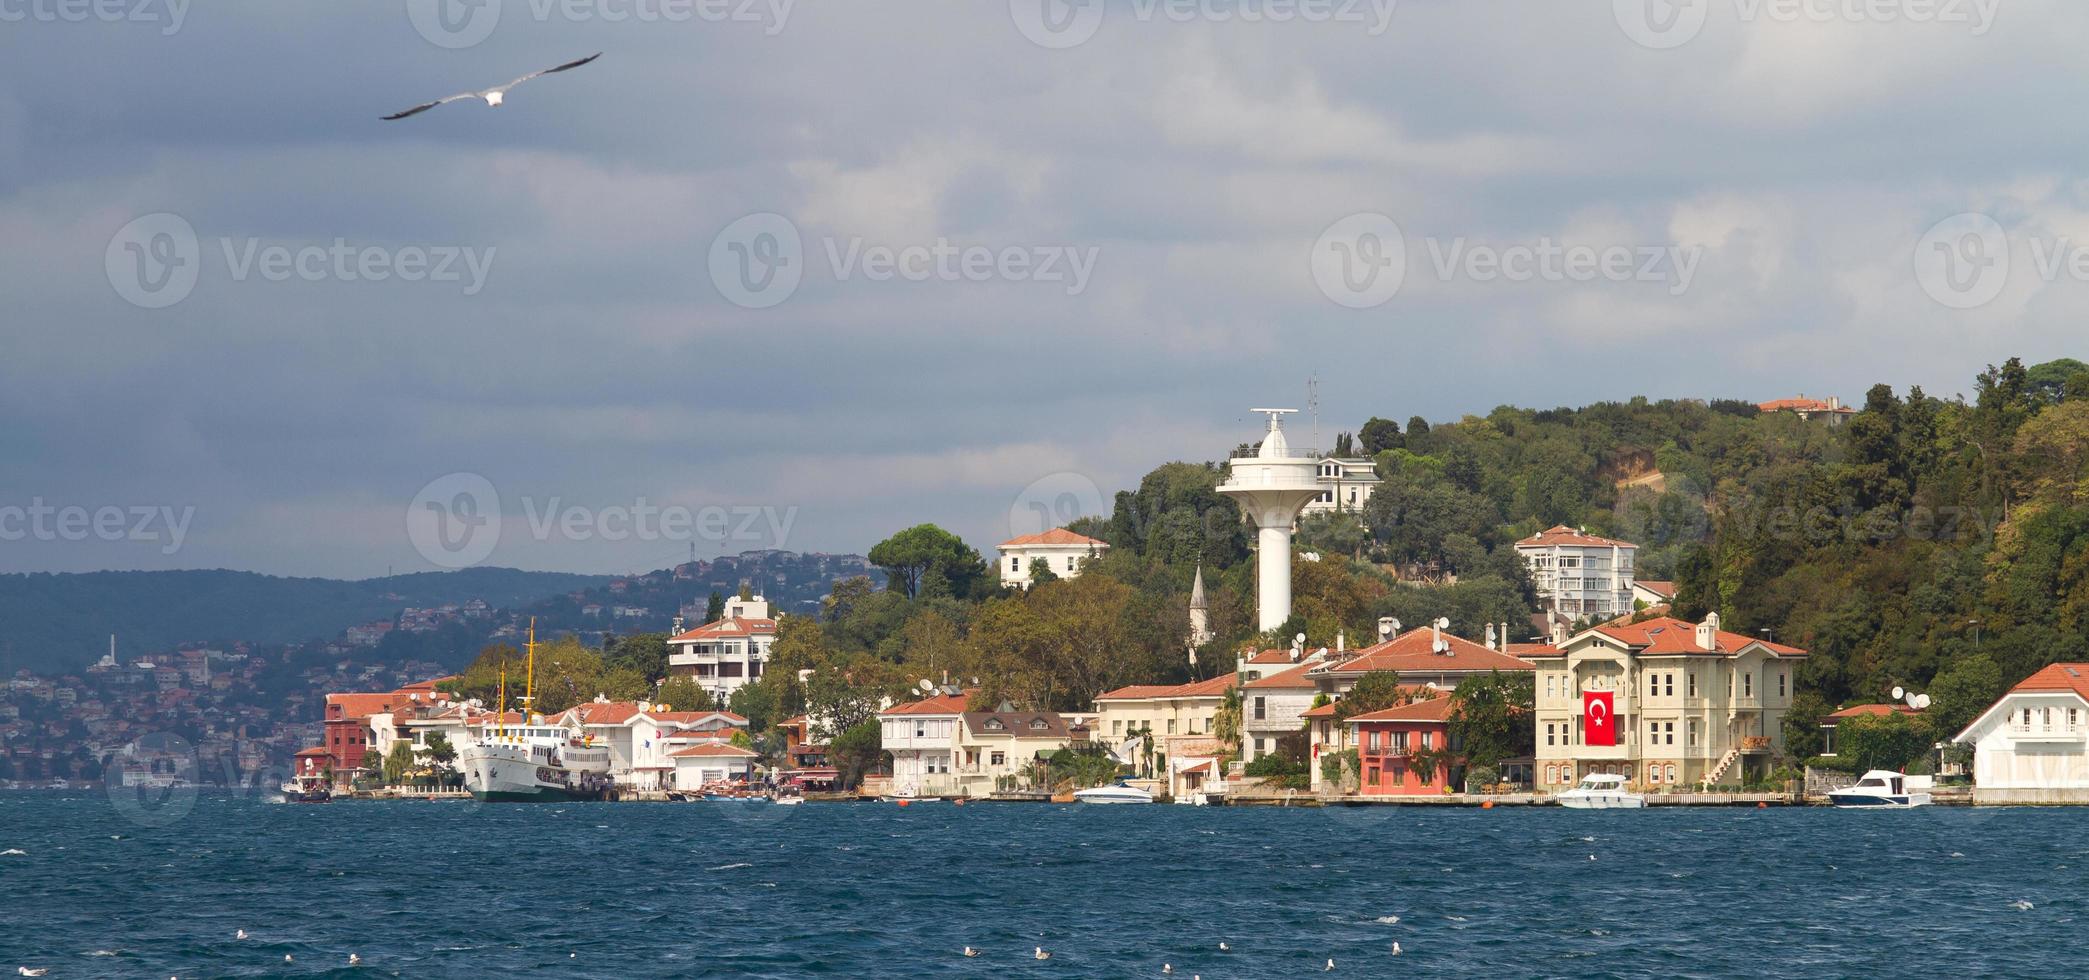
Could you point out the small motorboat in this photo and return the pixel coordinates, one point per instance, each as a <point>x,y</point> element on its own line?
<point>1881,788</point>
<point>1601,791</point>
<point>1117,793</point>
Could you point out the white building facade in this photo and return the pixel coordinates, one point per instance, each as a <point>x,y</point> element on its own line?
<point>1345,485</point>
<point>729,654</point>
<point>1578,574</point>
<point>1061,550</point>
<point>2032,746</point>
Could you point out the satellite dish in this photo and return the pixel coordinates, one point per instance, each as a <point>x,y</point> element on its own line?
<point>1443,623</point>
<point>1919,702</point>
<point>1385,629</point>
<point>927,685</point>
<point>1300,638</point>
<point>1898,692</point>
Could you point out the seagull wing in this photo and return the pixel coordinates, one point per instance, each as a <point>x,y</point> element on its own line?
<point>425,106</point>
<point>568,65</point>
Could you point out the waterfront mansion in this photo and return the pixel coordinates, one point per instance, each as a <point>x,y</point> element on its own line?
<point>1694,704</point>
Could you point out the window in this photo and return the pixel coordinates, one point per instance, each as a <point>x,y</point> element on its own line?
<point>1693,732</point>
<point>1425,740</point>
<point>2072,715</point>
<point>1691,681</point>
<point>1171,726</point>
<point>1780,683</point>
<point>1014,564</point>
<point>1258,746</point>
<point>921,729</point>
<point>1549,735</point>
<point>1668,730</point>
<point>1069,563</point>
<point>1261,711</point>
<point>1653,773</point>
<point>1373,740</point>
<point>998,758</point>
<point>1748,685</point>
<point>1399,743</point>
<point>1668,685</point>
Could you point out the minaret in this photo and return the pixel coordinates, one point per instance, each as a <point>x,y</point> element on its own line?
<point>1272,484</point>
<point>1200,614</point>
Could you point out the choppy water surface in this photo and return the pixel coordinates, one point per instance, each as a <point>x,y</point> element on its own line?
<point>433,889</point>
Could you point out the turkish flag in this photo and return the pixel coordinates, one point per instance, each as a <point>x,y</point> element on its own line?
<point>1599,725</point>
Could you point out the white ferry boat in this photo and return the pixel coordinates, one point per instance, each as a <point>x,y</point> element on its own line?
<point>1883,788</point>
<point>1601,791</point>
<point>534,762</point>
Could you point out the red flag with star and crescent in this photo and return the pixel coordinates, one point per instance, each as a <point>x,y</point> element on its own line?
<point>1599,724</point>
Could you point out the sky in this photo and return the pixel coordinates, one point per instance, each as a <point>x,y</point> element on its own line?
<point>801,273</point>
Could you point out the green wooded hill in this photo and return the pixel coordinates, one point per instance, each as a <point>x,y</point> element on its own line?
<point>55,622</point>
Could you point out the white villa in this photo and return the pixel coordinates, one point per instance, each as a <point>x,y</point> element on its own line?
<point>1175,728</point>
<point>2032,746</point>
<point>1578,574</point>
<point>1060,549</point>
<point>940,749</point>
<point>642,736</point>
<point>1345,485</point>
<point>728,654</point>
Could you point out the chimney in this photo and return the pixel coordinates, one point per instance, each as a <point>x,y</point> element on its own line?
<point>1340,641</point>
<point>1708,632</point>
<point>1388,627</point>
<point>678,627</point>
<point>1559,633</point>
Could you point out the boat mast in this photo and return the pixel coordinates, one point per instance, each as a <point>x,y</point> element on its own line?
<point>500,707</point>
<point>529,690</point>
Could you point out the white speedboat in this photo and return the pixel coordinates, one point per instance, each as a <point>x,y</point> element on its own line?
<point>1881,788</point>
<point>1601,791</point>
<point>1118,793</point>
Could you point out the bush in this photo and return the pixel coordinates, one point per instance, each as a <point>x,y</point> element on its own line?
<point>1481,779</point>
<point>1338,768</point>
<point>1280,771</point>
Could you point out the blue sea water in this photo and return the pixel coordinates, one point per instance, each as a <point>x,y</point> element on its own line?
<point>420,889</point>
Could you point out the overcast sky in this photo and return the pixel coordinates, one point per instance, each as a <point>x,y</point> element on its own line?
<point>1156,219</point>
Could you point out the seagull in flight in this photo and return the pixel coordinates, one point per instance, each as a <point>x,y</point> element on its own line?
<point>493,96</point>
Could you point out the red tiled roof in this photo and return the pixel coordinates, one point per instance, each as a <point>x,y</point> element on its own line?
<point>1859,710</point>
<point>941,704</point>
<point>1289,679</point>
<point>1324,711</point>
<point>2058,677</point>
<point>1196,689</point>
<point>1664,589</point>
<point>1271,656</point>
<point>714,750</point>
<point>1560,534</point>
<point>1802,405</point>
<point>1056,536</point>
<point>365,705</point>
<point>1668,635</point>
<point>314,750</point>
<point>1525,651</point>
<point>1434,709</point>
<point>1410,651</point>
<point>729,628</point>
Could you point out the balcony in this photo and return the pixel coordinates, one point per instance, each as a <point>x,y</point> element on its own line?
<point>2040,733</point>
<point>1755,744</point>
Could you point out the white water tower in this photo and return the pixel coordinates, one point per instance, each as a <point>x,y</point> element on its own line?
<point>1272,483</point>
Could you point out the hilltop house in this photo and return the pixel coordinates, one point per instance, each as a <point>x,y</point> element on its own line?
<point>1578,574</point>
<point>1061,550</point>
<point>728,654</point>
